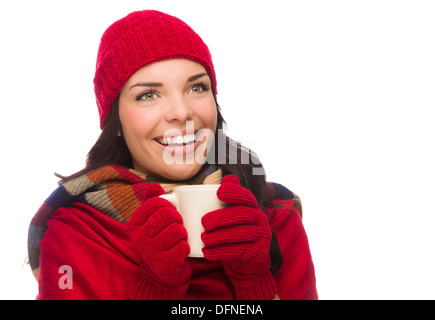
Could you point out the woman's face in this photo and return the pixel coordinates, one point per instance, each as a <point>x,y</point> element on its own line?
<point>165,109</point>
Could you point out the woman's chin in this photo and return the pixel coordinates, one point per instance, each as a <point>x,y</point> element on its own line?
<point>178,172</point>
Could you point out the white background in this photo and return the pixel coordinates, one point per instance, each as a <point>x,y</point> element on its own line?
<point>336,97</point>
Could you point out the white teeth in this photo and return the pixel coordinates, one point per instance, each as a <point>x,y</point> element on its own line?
<point>178,140</point>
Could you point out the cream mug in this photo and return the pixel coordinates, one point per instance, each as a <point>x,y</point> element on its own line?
<point>193,202</point>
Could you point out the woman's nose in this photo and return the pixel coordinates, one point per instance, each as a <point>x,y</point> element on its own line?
<point>178,110</point>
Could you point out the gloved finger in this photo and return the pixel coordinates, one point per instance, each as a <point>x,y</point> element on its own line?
<point>236,195</point>
<point>245,253</point>
<point>224,253</point>
<point>175,256</point>
<point>161,219</point>
<point>146,210</point>
<point>172,265</point>
<point>231,178</point>
<point>153,190</point>
<point>170,236</point>
<point>231,235</point>
<point>229,216</point>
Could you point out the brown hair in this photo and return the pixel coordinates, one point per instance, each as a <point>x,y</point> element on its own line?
<point>110,148</point>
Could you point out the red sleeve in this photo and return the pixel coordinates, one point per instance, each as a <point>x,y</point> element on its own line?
<point>296,278</point>
<point>86,255</point>
<point>104,264</point>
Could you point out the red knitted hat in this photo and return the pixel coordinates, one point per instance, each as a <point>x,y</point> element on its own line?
<point>140,38</point>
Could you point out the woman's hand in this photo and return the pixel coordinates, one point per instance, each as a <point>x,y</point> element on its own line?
<point>157,232</point>
<point>239,237</point>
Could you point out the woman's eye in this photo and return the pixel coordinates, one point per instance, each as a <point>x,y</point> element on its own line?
<point>199,87</point>
<point>147,96</point>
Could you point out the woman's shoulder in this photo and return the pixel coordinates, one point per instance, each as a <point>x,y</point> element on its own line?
<point>79,215</point>
<point>283,205</point>
<point>280,195</point>
<point>84,226</point>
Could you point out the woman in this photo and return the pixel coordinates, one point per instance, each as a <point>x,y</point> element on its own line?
<point>106,234</point>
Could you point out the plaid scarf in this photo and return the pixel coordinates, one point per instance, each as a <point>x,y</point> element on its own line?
<point>114,190</point>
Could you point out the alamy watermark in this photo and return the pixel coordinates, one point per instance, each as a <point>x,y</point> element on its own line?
<point>66,280</point>
<point>180,149</point>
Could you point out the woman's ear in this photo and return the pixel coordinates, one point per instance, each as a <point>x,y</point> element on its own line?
<point>119,133</point>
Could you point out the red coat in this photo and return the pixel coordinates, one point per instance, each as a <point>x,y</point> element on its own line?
<point>101,262</point>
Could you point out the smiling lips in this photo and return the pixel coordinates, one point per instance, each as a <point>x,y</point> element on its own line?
<point>184,143</point>
<point>178,141</point>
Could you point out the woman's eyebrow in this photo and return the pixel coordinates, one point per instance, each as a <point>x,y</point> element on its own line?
<point>159,84</point>
<point>195,77</point>
<point>147,84</point>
